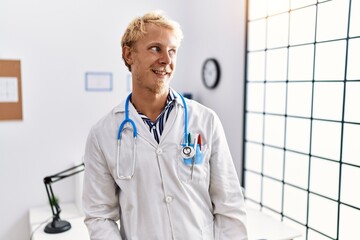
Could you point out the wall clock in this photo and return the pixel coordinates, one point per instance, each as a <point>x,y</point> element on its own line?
<point>211,73</point>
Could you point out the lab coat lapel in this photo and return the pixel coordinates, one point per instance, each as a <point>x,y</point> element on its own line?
<point>143,130</point>
<point>172,124</point>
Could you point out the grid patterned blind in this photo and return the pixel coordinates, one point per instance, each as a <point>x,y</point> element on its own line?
<point>302,115</point>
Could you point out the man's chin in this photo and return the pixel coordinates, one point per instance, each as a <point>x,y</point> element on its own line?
<point>160,89</point>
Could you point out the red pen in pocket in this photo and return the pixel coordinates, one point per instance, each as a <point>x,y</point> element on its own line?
<point>199,141</point>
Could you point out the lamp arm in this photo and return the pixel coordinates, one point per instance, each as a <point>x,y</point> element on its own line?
<point>64,174</point>
<point>55,208</point>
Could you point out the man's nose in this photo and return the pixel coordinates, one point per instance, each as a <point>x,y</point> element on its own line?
<point>165,58</point>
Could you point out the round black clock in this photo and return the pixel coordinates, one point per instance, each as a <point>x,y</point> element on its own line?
<point>211,73</point>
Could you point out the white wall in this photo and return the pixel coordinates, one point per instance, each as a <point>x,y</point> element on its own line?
<point>57,42</point>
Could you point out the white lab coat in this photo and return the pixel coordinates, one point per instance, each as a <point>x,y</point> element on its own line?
<point>161,201</point>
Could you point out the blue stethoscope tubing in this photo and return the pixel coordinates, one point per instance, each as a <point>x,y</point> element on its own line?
<point>121,127</point>
<point>128,120</point>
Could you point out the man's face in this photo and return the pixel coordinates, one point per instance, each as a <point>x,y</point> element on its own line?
<point>153,59</point>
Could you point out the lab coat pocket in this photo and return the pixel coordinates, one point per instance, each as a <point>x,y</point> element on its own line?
<point>196,169</point>
<point>208,232</point>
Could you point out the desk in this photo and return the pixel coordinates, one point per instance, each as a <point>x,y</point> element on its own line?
<point>263,226</point>
<point>260,225</point>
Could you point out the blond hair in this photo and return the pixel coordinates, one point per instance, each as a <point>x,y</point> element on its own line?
<point>136,29</point>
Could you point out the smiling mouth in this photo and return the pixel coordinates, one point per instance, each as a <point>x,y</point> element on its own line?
<point>160,72</point>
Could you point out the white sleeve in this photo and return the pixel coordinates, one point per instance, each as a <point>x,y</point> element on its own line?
<point>225,190</point>
<point>100,194</point>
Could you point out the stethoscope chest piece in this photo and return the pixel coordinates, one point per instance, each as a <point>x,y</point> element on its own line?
<point>187,152</point>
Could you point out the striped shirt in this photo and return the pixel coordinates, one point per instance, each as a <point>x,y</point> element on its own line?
<point>157,127</point>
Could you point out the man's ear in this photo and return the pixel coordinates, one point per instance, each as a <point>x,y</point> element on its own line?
<point>127,55</point>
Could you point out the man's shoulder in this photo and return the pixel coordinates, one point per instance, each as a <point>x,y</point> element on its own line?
<point>108,119</point>
<point>199,107</point>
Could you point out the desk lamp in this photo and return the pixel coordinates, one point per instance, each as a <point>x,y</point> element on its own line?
<point>57,225</point>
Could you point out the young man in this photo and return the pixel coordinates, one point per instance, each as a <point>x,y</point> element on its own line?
<point>158,163</point>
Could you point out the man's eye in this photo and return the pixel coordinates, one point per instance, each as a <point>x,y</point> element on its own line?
<point>155,49</point>
<point>172,52</point>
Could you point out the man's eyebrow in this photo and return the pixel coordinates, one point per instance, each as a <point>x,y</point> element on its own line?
<point>155,43</point>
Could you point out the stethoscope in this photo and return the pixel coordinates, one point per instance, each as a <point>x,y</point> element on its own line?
<point>187,151</point>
